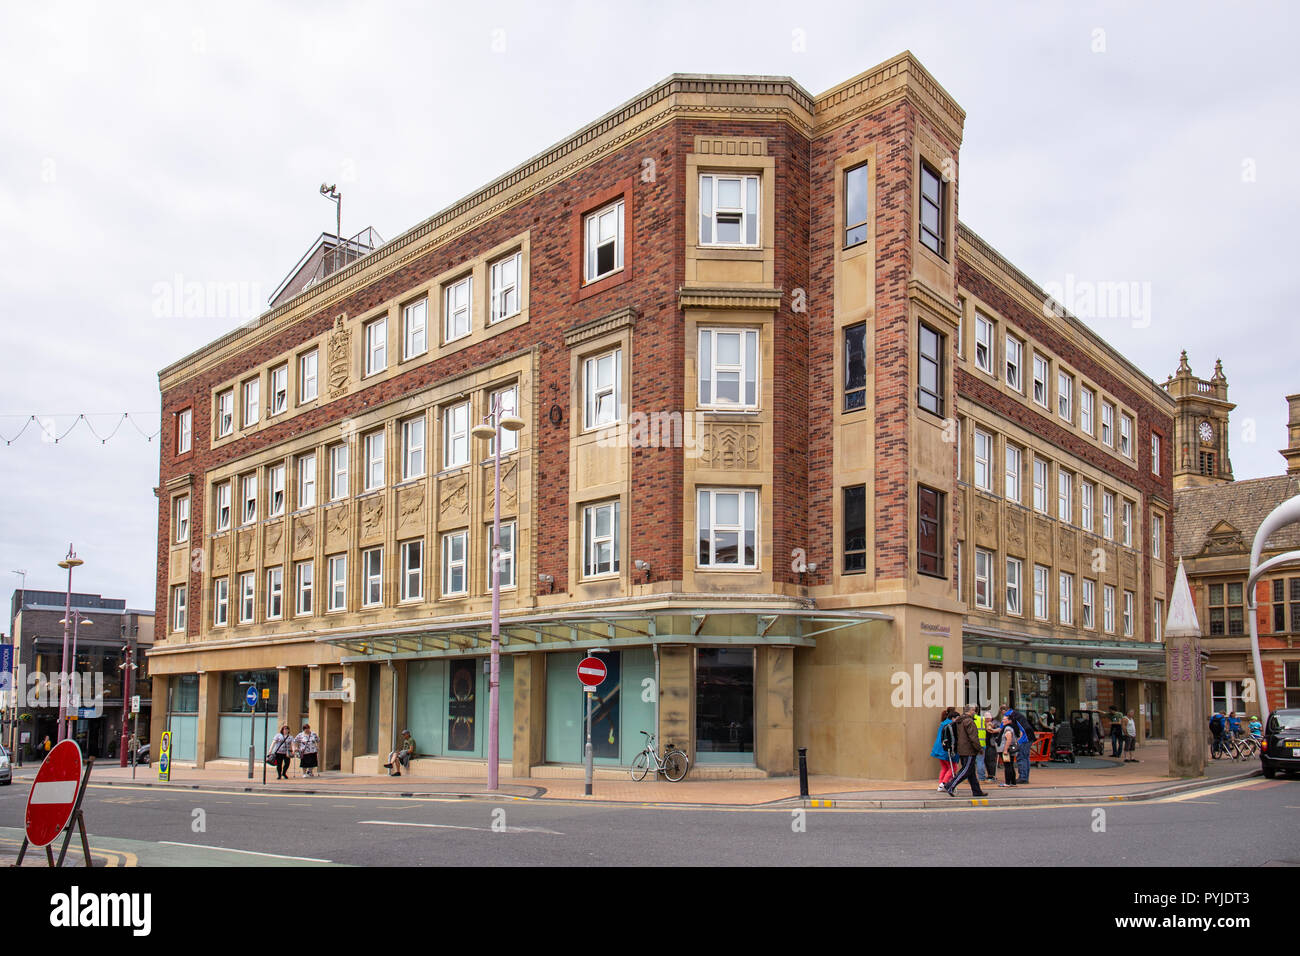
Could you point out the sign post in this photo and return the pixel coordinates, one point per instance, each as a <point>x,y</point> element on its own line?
<point>591,672</point>
<point>251,698</point>
<point>54,803</point>
<point>266,704</point>
<point>165,757</point>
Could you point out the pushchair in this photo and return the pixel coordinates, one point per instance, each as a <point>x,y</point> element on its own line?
<point>1063,743</point>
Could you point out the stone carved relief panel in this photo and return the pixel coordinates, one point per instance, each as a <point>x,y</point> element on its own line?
<point>221,555</point>
<point>336,527</point>
<point>273,543</point>
<point>244,541</point>
<point>731,447</point>
<point>410,509</point>
<point>372,518</point>
<point>1065,546</point>
<point>453,500</point>
<point>1042,541</point>
<point>1015,529</point>
<point>304,534</point>
<point>986,533</point>
<point>509,488</point>
<point>339,356</point>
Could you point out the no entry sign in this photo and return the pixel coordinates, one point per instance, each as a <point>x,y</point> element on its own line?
<point>54,794</point>
<point>591,671</point>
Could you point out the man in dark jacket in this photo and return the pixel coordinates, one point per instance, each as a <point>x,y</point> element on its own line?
<point>968,748</point>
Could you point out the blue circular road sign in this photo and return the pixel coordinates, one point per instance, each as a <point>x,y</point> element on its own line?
<point>251,697</point>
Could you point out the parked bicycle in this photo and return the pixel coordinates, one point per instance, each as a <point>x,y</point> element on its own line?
<point>674,764</point>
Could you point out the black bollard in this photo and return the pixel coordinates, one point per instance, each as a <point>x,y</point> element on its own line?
<point>803,771</point>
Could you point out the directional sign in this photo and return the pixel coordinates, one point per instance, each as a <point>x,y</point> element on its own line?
<point>251,697</point>
<point>6,666</point>
<point>591,671</point>
<point>54,793</point>
<point>1114,665</point>
<point>165,756</point>
<point>135,704</point>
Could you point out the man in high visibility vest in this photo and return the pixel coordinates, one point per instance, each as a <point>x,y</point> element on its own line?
<point>980,729</point>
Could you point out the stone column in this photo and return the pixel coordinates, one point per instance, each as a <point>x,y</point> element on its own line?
<point>354,715</point>
<point>208,723</point>
<point>1185,704</point>
<point>677,699</point>
<point>157,719</point>
<point>316,708</point>
<point>774,710</point>
<point>530,714</point>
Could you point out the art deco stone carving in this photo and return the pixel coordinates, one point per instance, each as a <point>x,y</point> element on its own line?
<point>731,447</point>
<point>509,488</point>
<point>336,527</point>
<point>274,546</point>
<point>339,356</point>
<point>453,498</point>
<point>221,555</point>
<point>372,517</point>
<point>410,507</point>
<point>304,534</point>
<point>1015,532</point>
<point>244,547</point>
<point>985,518</point>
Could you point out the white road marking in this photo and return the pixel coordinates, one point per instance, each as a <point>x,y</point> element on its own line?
<point>55,791</point>
<point>452,826</point>
<point>228,849</point>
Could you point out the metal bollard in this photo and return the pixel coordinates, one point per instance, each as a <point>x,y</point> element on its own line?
<point>803,771</point>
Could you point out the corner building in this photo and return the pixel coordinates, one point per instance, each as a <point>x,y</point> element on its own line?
<point>764,376</point>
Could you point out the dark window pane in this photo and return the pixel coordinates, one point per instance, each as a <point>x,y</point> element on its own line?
<point>1216,621</point>
<point>1279,618</point>
<point>855,205</point>
<point>855,366</point>
<point>1295,589</point>
<point>1234,593</point>
<point>1236,623</point>
<point>929,531</point>
<point>1216,593</point>
<point>855,528</point>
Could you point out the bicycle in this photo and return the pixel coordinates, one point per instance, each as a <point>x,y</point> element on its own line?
<point>674,764</point>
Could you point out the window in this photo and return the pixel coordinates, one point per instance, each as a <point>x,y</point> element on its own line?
<point>1157,620</point>
<point>1065,396</point>
<point>728,528</point>
<point>1155,454</point>
<point>306,481</point>
<point>600,542</point>
<point>1040,380</point>
<point>728,210</point>
<point>279,389</point>
<point>1107,424</point>
<point>1108,515</point>
<point>506,560</point>
<point>415,328</point>
<point>453,563</point>
<point>1128,524</point>
<point>1014,352</point>
<point>929,531</point>
<point>338,571</point>
<point>929,388</point>
<point>455,435</point>
<point>728,367</point>
<point>184,422</point>
<point>220,601</point>
<point>458,298</point>
<point>1089,603</point>
<point>855,529</point>
<point>1126,436</point>
<point>1064,495</point>
<point>413,448</point>
<point>604,241</point>
<point>984,579</point>
<point>223,506</point>
<point>602,384</point>
<point>855,367</point>
<point>1226,609</point>
<point>856,186</point>
<point>1040,592</point>
<point>225,413</point>
<point>1279,606</point>
<point>307,388</point>
<point>1011,479</point>
<point>1226,695</point>
<point>508,398</point>
<point>178,607</point>
<point>1015,573</point>
<point>276,481</point>
<point>181,521</point>
<point>983,460</point>
<point>274,594</point>
<point>957,574</point>
<point>250,499</point>
<point>1128,613</point>
<point>1041,470</point>
<point>1065,585</point>
<point>932,217</point>
<point>338,472</point>
<point>376,345</point>
<point>1085,505</point>
<point>252,395</point>
<point>412,570</point>
<point>303,573</point>
<point>1291,682</point>
<point>505,287</point>
<point>1206,463</point>
<point>1108,607</point>
<point>372,572</point>
<point>1085,409</point>
<point>246,587</point>
<point>374,458</point>
<point>983,343</point>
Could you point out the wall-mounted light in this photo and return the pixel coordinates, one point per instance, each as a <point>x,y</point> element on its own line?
<point>643,566</point>
<point>549,580</point>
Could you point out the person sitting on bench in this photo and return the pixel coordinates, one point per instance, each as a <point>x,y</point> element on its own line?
<point>402,755</point>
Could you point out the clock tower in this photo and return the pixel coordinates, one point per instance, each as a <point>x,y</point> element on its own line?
<point>1200,452</point>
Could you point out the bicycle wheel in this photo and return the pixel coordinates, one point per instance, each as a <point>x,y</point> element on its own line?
<point>640,766</point>
<point>676,764</point>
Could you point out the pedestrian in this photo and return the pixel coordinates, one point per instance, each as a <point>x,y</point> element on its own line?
<point>968,748</point>
<point>402,755</point>
<point>1217,725</point>
<point>308,748</point>
<point>1050,720</point>
<point>980,727</point>
<point>1130,738</point>
<point>1256,728</point>
<point>947,758</point>
<point>281,750</point>
<point>992,731</point>
<point>1007,751</point>
<point>46,745</point>
<point>1024,742</point>
<point>1116,733</point>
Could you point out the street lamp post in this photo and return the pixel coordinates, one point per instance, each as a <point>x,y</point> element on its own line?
<point>74,677</point>
<point>70,562</point>
<point>492,431</point>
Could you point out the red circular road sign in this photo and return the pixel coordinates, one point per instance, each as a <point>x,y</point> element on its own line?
<point>591,671</point>
<point>54,793</point>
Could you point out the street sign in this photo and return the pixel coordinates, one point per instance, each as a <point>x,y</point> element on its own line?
<point>591,671</point>
<point>54,793</point>
<point>165,756</point>
<point>6,666</point>
<point>266,693</point>
<point>135,704</point>
<point>251,697</point>
<point>1101,664</point>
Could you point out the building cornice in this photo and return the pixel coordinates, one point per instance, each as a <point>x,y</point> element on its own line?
<point>719,298</point>
<point>902,77</point>
<point>624,318</point>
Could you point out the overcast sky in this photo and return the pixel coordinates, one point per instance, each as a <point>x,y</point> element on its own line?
<point>142,145</point>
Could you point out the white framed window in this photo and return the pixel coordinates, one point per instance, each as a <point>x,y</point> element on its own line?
<point>279,389</point>
<point>1108,424</point>
<point>983,343</point>
<point>1085,409</point>
<point>223,506</point>
<point>506,562</point>
<point>182,519</point>
<point>1011,478</point>
<point>1040,380</point>
<point>373,445</point>
<point>376,345</point>
<point>275,476</point>
<point>1040,592</point>
<point>338,472</point>
<point>1158,620</point>
<point>1064,495</point>
<point>306,481</point>
<point>454,563</point>
<point>1015,353</point>
<point>252,400</point>
<point>983,460</point>
<point>1065,396</point>
<point>1041,470</point>
<point>250,499</point>
<point>1128,524</point>
<point>338,572</point>
<point>728,210</point>
<point>1126,436</point>
<point>1108,608</point>
<point>856,200</point>
<point>505,275</point>
<point>458,300</point>
<point>307,382</point>
<point>415,328</point>
<point>412,570</point>
<point>304,572</point>
<point>1086,489</point>
<point>600,541</point>
<point>1155,454</point>
<point>1089,604</point>
<point>727,527</point>
<point>1108,515</point>
<point>225,412</point>
<point>1227,695</point>
<point>728,368</point>
<point>220,601</point>
<point>1128,613</point>
<point>509,401</point>
<point>1065,585</point>
<point>274,594</point>
<point>603,389</point>
<point>455,436</point>
<point>984,579</point>
<point>179,601</point>
<point>1015,576</point>
<point>413,448</point>
<point>1157,535</point>
<point>184,431</point>
<point>372,573</point>
<point>604,241</point>
<point>247,585</point>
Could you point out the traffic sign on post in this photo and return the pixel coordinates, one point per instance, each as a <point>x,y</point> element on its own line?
<point>591,671</point>
<point>251,697</point>
<point>54,793</point>
<point>135,704</point>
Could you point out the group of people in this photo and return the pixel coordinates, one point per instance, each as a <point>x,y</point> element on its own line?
<point>286,745</point>
<point>1123,735</point>
<point>969,745</point>
<point>1224,728</point>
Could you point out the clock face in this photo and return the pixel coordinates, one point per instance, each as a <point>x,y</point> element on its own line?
<point>1207,433</point>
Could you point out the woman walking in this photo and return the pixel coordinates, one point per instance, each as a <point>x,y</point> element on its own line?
<point>947,757</point>
<point>282,750</point>
<point>1007,751</point>
<point>308,747</point>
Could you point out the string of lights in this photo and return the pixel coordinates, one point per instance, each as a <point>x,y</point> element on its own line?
<point>52,431</point>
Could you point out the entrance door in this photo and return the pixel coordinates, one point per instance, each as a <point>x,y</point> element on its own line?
<point>724,705</point>
<point>333,755</point>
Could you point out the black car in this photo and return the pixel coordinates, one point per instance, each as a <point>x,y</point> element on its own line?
<point>1280,748</point>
